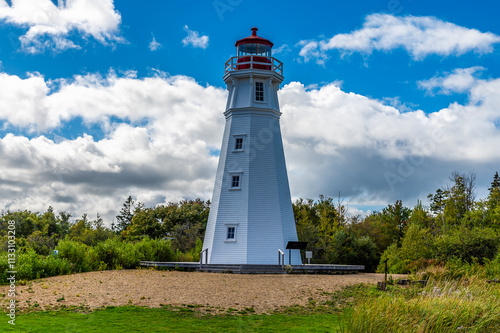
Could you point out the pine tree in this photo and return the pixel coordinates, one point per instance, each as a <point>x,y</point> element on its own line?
<point>495,184</point>
<point>126,214</point>
<point>494,197</point>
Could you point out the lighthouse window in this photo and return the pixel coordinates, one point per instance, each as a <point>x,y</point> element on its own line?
<point>238,144</point>
<point>235,182</point>
<point>230,232</point>
<point>259,91</point>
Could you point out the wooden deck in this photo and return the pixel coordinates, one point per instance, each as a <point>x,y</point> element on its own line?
<point>258,269</point>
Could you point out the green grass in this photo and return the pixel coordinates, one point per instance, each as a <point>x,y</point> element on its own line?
<point>138,319</point>
<point>463,305</point>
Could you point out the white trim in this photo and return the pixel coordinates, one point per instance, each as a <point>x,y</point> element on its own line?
<point>253,111</point>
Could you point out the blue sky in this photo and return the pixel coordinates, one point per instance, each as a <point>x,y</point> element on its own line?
<point>381,101</point>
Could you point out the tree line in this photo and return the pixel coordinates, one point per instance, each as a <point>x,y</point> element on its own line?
<point>454,225</point>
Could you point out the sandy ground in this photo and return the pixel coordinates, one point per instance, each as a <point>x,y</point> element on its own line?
<point>265,293</point>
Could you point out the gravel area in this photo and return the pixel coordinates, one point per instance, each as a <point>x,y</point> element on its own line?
<point>265,293</point>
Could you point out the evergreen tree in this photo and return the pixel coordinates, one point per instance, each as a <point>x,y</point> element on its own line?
<point>126,214</point>
<point>493,202</point>
<point>437,201</point>
<point>495,184</point>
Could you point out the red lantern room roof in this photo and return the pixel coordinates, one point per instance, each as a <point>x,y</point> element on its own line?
<point>254,39</point>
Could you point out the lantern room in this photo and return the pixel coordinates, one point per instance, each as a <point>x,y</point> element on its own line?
<point>254,52</point>
<point>254,45</point>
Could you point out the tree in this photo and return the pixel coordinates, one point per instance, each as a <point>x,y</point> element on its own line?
<point>495,184</point>
<point>317,222</point>
<point>493,202</point>
<point>494,196</point>
<point>437,201</point>
<point>328,221</point>
<point>420,216</point>
<point>349,248</point>
<point>49,224</point>
<point>90,232</point>
<point>460,197</point>
<point>64,222</point>
<point>395,218</point>
<point>126,214</point>
<point>145,223</point>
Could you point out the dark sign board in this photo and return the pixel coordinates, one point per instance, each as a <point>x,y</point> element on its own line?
<point>296,245</point>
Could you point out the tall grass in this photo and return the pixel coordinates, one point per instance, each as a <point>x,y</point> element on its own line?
<point>442,306</point>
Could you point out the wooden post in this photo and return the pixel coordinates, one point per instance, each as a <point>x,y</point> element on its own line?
<point>385,278</point>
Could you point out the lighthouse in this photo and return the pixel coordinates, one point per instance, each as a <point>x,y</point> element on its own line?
<point>251,216</point>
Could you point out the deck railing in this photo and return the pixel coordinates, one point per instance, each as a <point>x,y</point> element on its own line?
<point>201,257</point>
<point>254,62</point>
<point>281,259</point>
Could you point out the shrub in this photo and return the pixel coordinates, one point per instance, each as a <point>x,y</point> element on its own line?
<point>117,254</point>
<point>82,257</point>
<point>31,265</point>
<point>467,244</point>
<point>154,250</point>
<point>184,257</point>
<point>395,264</point>
<point>492,268</point>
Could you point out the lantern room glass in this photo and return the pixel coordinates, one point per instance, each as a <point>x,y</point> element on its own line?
<point>254,49</point>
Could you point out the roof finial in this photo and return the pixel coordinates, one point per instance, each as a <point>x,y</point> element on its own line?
<point>254,31</point>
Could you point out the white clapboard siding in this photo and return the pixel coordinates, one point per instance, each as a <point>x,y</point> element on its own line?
<point>261,209</point>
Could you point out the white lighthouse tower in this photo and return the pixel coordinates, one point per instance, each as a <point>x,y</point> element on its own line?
<point>251,215</point>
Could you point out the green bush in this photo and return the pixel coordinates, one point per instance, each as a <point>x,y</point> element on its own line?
<point>395,264</point>
<point>492,268</point>
<point>82,257</point>
<point>154,250</point>
<point>31,265</point>
<point>117,254</point>
<point>34,266</point>
<point>415,252</point>
<point>466,244</point>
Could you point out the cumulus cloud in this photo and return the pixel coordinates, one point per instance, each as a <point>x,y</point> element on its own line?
<point>459,81</point>
<point>419,36</point>
<point>160,151</point>
<point>193,38</point>
<point>162,148</point>
<point>39,105</point>
<point>49,25</point>
<point>376,154</point>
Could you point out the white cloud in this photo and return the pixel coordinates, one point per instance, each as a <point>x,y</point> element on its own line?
<point>283,49</point>
<point>161,153</point>
<point>419,36</point>
<point>459,81</point>
<point>193,38</point>
<point>374,153</point>
<point>154,45</point>
<point>49,25</point>
<point>162,149</point>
